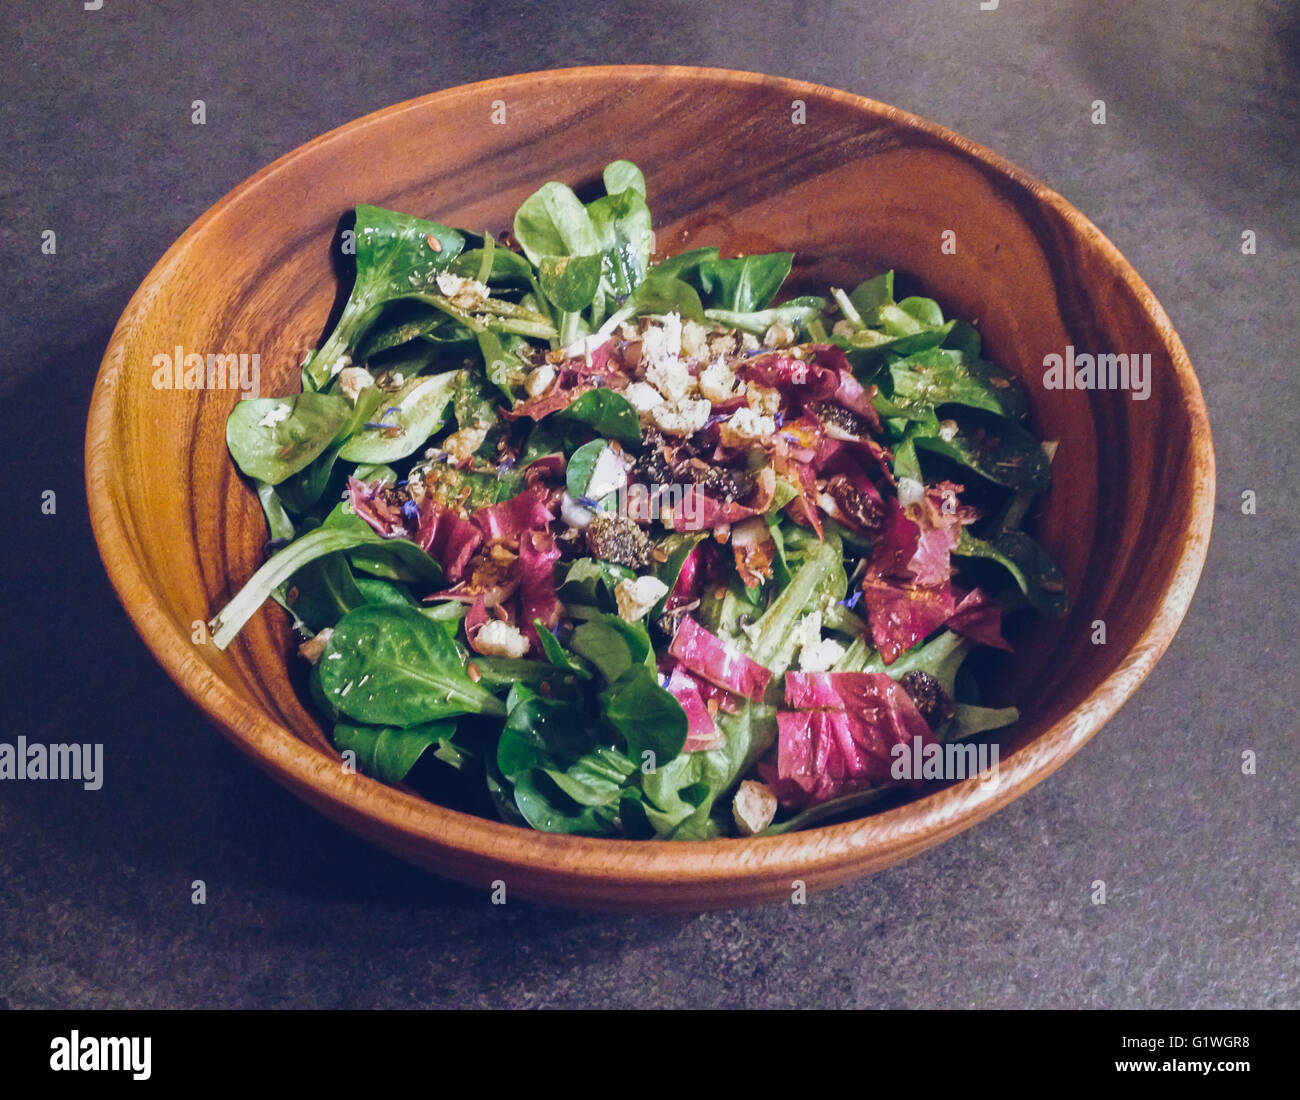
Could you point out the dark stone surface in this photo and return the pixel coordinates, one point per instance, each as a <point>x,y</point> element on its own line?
<point>1200,861</point>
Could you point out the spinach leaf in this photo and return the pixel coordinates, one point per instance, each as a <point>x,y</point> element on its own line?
<point>648,716</point>
<point>798,313</point>
<point>661,292</point>
<point>388,753</point>
<point>570,282</point>
<point>302,490</point>
<point>397,256</point>
<point>409,417</point>
<point>271,438</point>
<point>1036,574</point>
<point>553,222</point>
<point>393,666</point>
<point>745,284</point>
<point>395,559</point>
<point>942,377</point>
<point>994,447</point>
<point>969,720</point>
<point>557,655</point>
<point>685,265</point>
<point>581,465</point>
<point>623,175</point>
<point>607,413</point>
<point>622,223</point>
<point>592,581</point>
<point>605,646</point>
<point>282,565</point>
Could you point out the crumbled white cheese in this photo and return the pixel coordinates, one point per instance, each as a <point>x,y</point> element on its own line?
<point>498,639</point>
<point>718,381</point>
<point>816,654</point>
<point>765,399</point>
<point>722,344</point>
<point>682,417</point>
<point>352,380</point>
<point>820,656</point>
<point>749,342</point>
<point>573,513</point>
<point>466,294</point>
<point>609,475</point>
<point>460,445</point>
<point>537,382</point>
<point>948,430</point>
<point>910,491</point>
<point>695,340</point>
<point>276,414</point>
<point>748,424</point>
<point>779,335</point>
<point>753,808</point>
<point>312,648</point>
<point>671,378</point>
<point>643,397</point>
<point>636,597</point>
<point>662,342</point>
<point>340,364</point>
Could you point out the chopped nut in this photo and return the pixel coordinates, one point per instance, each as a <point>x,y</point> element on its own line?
<point>753,808</point>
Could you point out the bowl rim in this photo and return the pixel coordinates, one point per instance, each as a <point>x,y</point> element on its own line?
<point>404,822</point>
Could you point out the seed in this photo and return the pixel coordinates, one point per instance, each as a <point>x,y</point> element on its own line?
<point>434,243</point>
<point>1053,586</point>
<point>474,673</point>
<point>659,554</point>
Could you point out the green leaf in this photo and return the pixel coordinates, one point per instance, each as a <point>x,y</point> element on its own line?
<point>326,539</point>
<point>388,753</point>
<point>622,175</point>
<point>269,444</point>
<point>994,447</point>
<point>608,413</point>
<point>649,718</point>
<point>1036,574</point>
<point>553,222</point>
<point>420,410</point>
<point>570,282</point>
<point>396,258</point>
<point>622,223</point>
<point>798,313</point>
<point>969,720</point>
<point>685,265</point>
<point>745,284</point>
<point>393,666</point>
<point>604,646</point>
<point>942,377</point>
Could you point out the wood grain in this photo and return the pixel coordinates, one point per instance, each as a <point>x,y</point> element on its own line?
<point>856,188</point>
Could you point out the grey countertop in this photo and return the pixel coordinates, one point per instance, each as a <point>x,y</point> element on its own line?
<point>1201,143</point>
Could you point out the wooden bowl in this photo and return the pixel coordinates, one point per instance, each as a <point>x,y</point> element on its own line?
<point>854,188</point>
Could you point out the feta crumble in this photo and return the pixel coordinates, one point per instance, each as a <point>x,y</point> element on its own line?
<point>644,397</point>
<point>498,639</point>
<point>466,294</point>
<point>352,380</point>
<point>537,382</point>
<point>274,416</point>
<point>684,417</point>
<point>718,381</point>
<point>636,597</point>
<point>749,424</point>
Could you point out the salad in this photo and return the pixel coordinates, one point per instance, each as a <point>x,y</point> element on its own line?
<point>615,546</point>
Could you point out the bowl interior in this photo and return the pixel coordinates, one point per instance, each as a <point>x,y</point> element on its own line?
<point>853,189</point>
